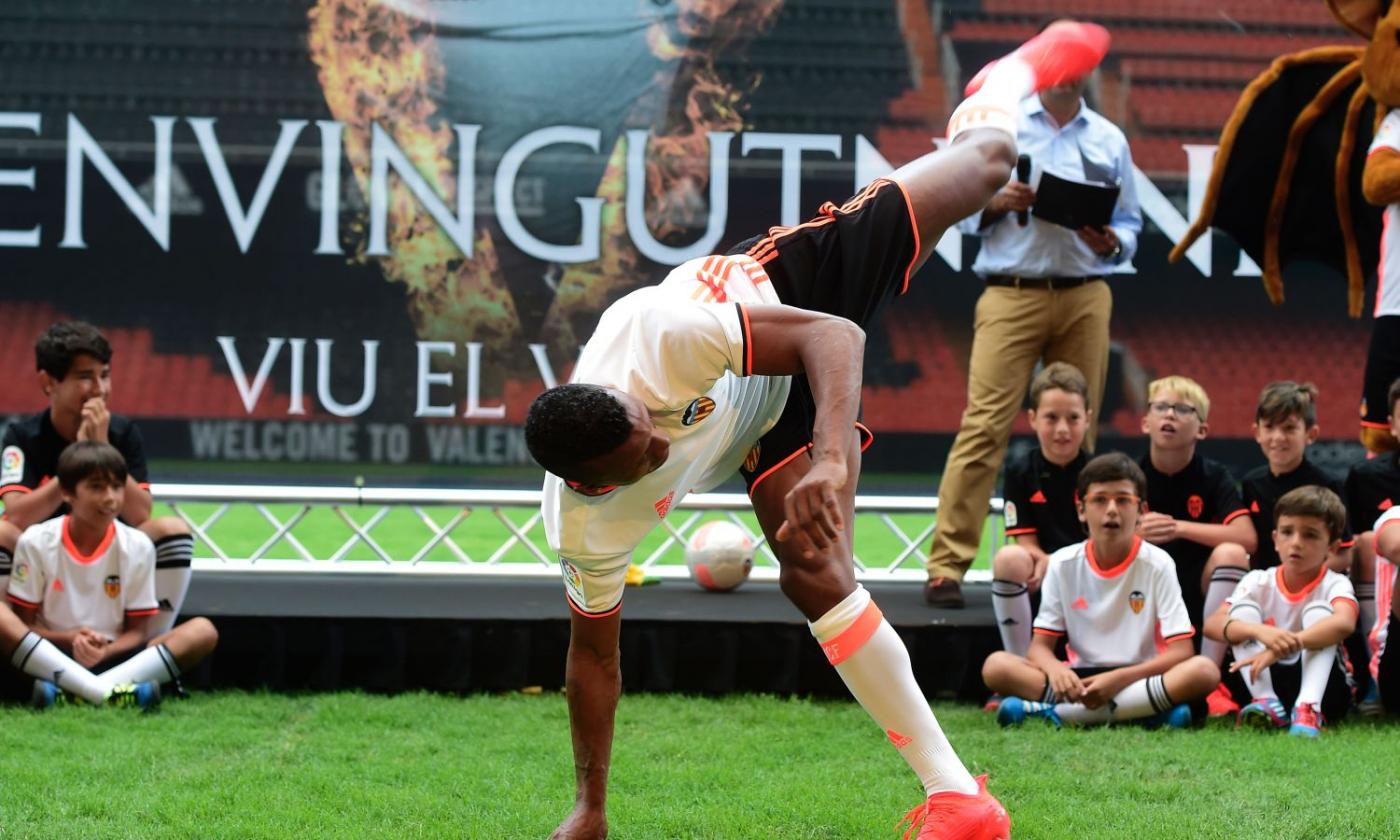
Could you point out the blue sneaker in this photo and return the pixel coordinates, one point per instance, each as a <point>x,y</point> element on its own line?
<point>1307,721</point>
<point>144,696</point>
<point>1370,703</point>
<point>1265,714</point>
<point>1014,711</point>
<point>1177,717</point>
<point>47,695</point>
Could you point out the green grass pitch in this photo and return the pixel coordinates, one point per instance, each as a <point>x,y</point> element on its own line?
<point>228,764</point>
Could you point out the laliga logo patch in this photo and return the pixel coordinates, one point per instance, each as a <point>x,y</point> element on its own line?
<point>1136,600</point>
<point>11,465</point>
<point>21,573</point>
<point>1195,506</point>
<point>573,581</point>
<point>112,586</point>
<point>698,410</point>
<point>1010,514</point>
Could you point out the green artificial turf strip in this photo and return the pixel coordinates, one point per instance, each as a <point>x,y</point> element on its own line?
<point>228,764</point>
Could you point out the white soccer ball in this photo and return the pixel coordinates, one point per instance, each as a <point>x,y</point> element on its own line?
<point>719,555</point>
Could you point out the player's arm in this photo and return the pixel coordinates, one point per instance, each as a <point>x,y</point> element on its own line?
<point>1238,530</point>
<point>1334,629</point>
<point>1380,180</point>
<point>133,635</point>
<point>1062,678</point>
<point>136,503</point>
<point>830,351</point>
<point>593,681</point>
<point>25,509</point>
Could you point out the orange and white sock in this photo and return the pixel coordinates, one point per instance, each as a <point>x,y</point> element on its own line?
<point>873,662</point>
<point>997,102</point>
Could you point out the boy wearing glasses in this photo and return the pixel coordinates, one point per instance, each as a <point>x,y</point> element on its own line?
<point>1111,597</point>
<point>1195,512</point>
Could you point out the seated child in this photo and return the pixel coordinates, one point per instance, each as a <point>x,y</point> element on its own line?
<point>1041,514</point>
<point>1285,624</point>
<point>83,593</point>
<point>1111,596</point>
<point>1194,511</point>
<point>1385,670</point>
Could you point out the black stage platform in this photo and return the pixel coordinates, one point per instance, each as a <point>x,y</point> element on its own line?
<point>395,632</point>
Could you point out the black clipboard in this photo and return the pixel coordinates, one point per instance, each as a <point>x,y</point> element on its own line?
<point>1074,204</point>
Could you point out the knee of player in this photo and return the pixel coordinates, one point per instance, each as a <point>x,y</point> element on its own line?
<point>1204,674</point>
<point>998,152</point>
<point>994,670</point>
<point>165,526</point>
<point>1012,562</point>
<point>202,633</point>
<point>9,535</point>
<point>1228,554</point>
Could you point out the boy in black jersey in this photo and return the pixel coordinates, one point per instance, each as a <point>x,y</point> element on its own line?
<point>1194,510</point>
<point>1041,514</point>
<point>73,360</point>
<point>1285,424</point>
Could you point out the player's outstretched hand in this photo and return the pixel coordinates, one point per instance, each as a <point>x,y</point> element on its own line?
<point>582,824</point>
<point>813,508</point>
<point>1256,664</point>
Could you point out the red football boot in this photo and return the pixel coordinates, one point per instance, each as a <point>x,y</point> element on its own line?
<point>1066,50</point>
<point>949,815</point>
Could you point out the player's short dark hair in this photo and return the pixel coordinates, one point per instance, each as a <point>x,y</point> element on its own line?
<point>573,423</point>
<point>1312,500</point>
<point>62,343</point>
<point>1109,467</point>
<point>1059,376</point>
<point>83,459</point>
<point>1286,398</point>
<point>1392,395</point>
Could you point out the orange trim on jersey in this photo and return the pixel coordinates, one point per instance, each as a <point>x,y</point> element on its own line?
<point>20,488</point>
<point>87,559</point>
<point>590,490</point>
<point>144,485</point>
<point>151,611</point>
<point>1041,631</point>
<point>867,437</point>
<point>1117,570</point>
<point>15,599</point>
<point>1294,597</point>
<point>1179,636</point>
<point>748,339</point>
<point>853,638</point>
<point>914,225</point>
<point>1365,424</point>
<point>586,614</point>
<point>1347,543</point>
<point>1348,601</point>
<point>1236,515</point>
<point>1019,532</point>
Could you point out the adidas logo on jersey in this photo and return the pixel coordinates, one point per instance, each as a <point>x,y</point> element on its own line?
<point>1079,604</point>
<point>1039,498</point>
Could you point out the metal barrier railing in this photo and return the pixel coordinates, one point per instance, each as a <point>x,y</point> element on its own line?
<point>518,536</point>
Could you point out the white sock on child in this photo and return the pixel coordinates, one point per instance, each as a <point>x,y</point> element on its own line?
<point>1261,684</point>
<point>1011,603</point>
<point>41,659</point>
<point>1317,664</point>
<point>1222,583</point>
<point>155,663</point>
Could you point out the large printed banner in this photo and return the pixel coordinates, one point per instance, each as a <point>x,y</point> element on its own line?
<point>370,231</point>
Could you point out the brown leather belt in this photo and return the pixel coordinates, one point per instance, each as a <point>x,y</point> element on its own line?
<point>1051,283</point>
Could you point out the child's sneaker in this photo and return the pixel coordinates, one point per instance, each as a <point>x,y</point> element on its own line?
<point>1307,721</point>
<point>993,703</point>
<point>1064,51</point>
<point>1221,703</point>
<point>47,695</point>
<point>143,695</point>
<point>1370,704</point>
<point>1265,713</point>
<point>1177,717</point>
<point>949,815</point>
<point>1013,711</point>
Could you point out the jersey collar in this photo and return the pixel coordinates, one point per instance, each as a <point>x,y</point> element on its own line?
<point>1294,597</point>
<point>97,553</point>
<point>1117,570</point>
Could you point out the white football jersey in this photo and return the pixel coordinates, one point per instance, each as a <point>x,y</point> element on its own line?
<point>1388,274</point>
<point>1116,618</point>
<point>73,590</point>
<point>683,348</point>
<point>1284,608</point>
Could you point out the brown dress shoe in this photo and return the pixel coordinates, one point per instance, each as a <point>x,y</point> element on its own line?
<point>944,592</point>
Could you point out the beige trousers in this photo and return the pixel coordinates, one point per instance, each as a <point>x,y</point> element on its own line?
<point>1014,329</point>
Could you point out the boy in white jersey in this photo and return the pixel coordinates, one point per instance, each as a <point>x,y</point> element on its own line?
<point>1380,183</point>
<point>1285,623</point>
<point>83,592</point>
<point>1116,601</point>
<point>684,383</point>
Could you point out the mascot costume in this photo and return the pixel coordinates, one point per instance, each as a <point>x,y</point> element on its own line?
<point>1315,127</point>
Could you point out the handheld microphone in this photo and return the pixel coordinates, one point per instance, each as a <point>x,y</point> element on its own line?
<point>1023,174</point>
